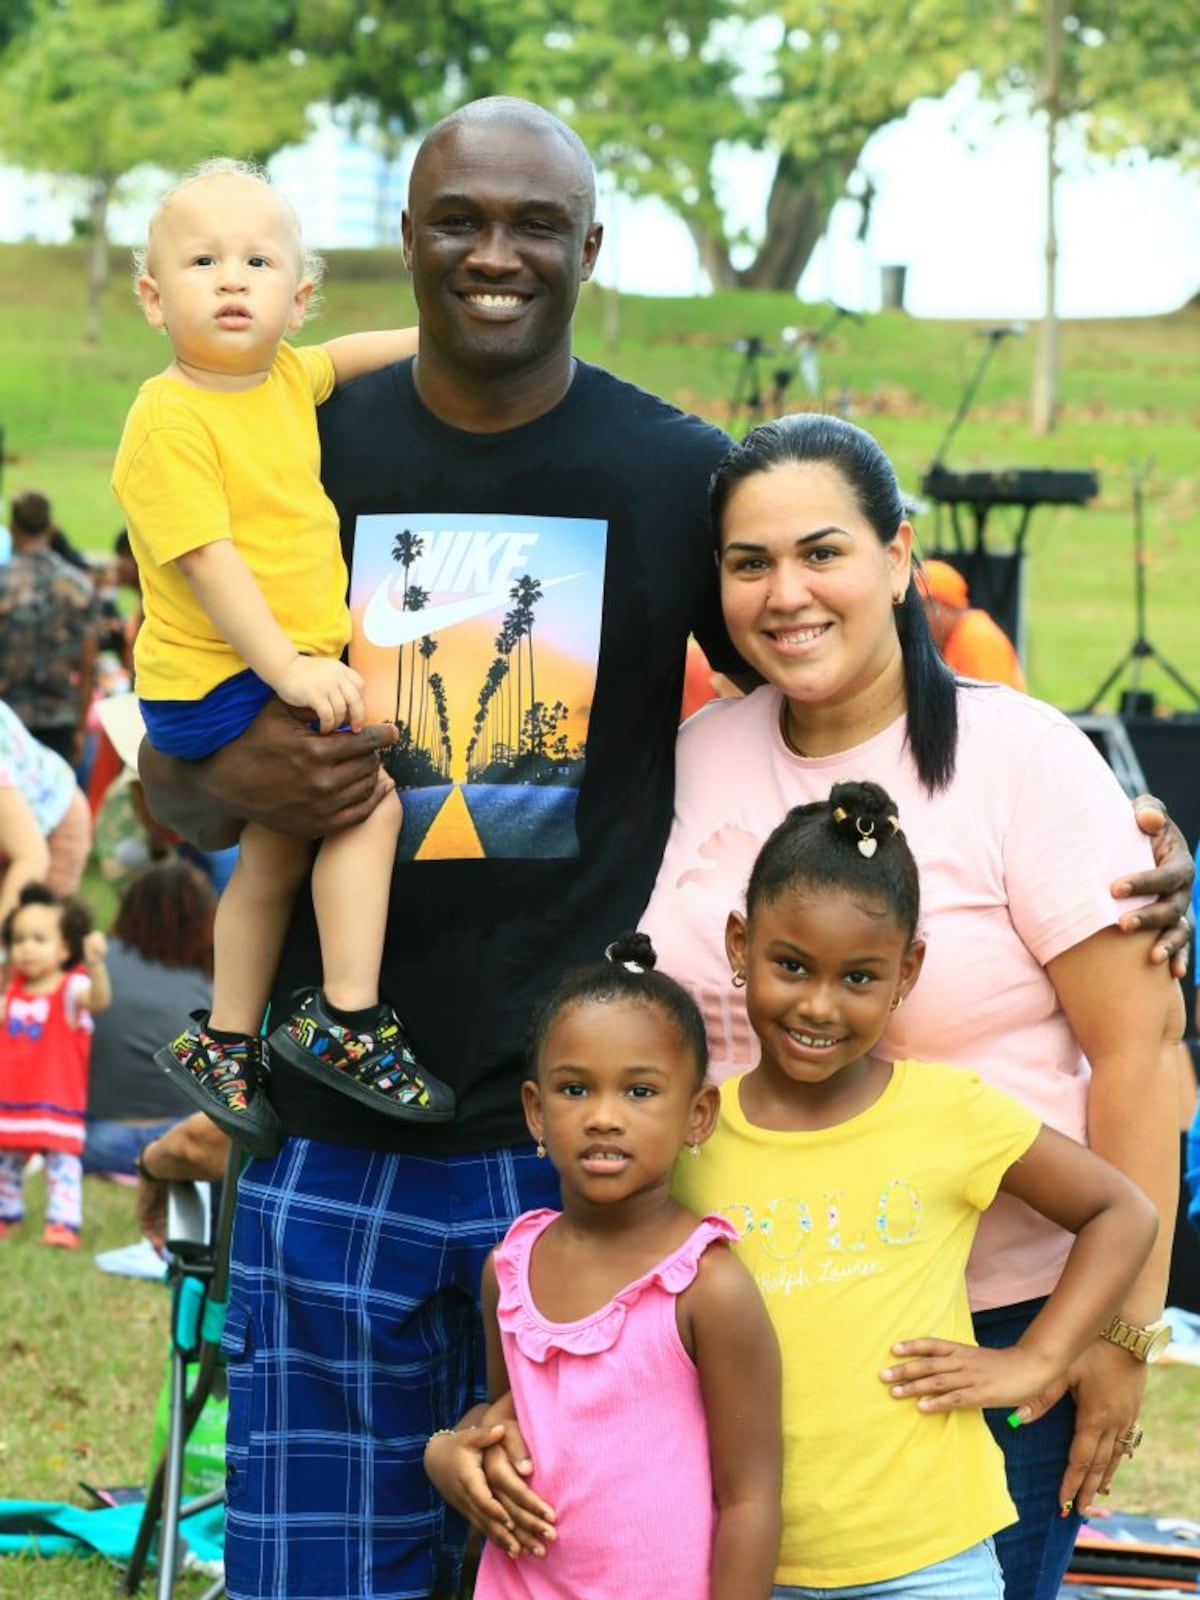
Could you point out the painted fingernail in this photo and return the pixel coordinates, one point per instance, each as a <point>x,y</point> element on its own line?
<point>1014,1419</point>
<point>1067,1507</point>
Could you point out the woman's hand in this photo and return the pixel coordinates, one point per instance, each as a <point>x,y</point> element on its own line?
<point>1107,1385</point>
<point>1170,881</point>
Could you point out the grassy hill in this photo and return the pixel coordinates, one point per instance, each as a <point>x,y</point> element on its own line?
<point>1129,389</point>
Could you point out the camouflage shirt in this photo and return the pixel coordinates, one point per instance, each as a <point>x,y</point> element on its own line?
<point>48,611</point>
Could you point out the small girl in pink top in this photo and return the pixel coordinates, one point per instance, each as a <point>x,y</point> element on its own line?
<point>642,1367</point>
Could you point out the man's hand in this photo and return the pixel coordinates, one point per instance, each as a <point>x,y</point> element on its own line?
<point>280,773</point>
<point>1170,881</point>
<point>331,690</point>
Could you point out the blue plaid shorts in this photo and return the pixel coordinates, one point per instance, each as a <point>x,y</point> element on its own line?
<point>353,1332</point>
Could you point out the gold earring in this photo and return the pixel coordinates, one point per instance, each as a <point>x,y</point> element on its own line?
<point>897,1002</point>
<point>738,978</point>
<point>539,1149</point>
<point>693,1149</point>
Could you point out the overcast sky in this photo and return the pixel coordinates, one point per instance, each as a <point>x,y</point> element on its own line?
<point>960,201</point>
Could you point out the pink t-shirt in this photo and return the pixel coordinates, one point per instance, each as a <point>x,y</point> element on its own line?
<point>1016,859</point>
<point>611,1409</point>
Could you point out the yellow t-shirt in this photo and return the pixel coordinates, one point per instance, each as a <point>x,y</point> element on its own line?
<point>858,1236</point>
<point>198,465</point>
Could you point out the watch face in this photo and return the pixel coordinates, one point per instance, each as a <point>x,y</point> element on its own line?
<point>1159,1340</point>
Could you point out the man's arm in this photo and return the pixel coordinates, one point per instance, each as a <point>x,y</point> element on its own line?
<point>280,773</point>
<point>356,353</point>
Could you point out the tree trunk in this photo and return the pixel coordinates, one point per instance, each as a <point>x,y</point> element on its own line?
<point>1044,401</point>
<point>101,194</point>
<point>798,208</point>
<point>714,255</point>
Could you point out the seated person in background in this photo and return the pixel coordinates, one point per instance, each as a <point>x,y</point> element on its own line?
<point>192,1151</point>
<point>45,827</point>
<point>972,644</point>
<point>160,962</point>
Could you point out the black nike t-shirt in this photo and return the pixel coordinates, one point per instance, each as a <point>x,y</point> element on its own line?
<point>521,605</point>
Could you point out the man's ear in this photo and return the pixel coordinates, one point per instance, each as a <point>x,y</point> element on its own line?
<point>406,239</point>
<point>151,300</point>
<point>591,249</point>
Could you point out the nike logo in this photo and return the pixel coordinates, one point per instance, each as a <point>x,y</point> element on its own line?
<point>385,624</point>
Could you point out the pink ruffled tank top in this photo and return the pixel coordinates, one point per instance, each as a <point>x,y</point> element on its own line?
<point>611,1410</point>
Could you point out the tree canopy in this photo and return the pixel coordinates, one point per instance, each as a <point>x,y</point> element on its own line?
<point>656,87</point>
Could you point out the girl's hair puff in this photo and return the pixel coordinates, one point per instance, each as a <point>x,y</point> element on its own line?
<point>826,845</point>
<point>625,975</point>
<point>75,919</point>
<point>806,438</point>
<point>312,265</point>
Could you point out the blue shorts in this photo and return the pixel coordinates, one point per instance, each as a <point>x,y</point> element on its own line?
<point>353,1331</point>
<point>193,729</point>
<point>973,1575</point>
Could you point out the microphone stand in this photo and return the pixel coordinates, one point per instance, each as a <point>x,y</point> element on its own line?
<point>994,336</point>
<point>1141,649</point>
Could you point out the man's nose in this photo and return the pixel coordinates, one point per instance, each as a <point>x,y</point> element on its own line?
<point>494,250</point>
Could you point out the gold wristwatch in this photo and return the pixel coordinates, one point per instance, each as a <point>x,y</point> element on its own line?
<point>1143,1344</point>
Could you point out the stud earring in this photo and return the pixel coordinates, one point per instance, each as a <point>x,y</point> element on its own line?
<point>738,979</point>
<point>539,1149</point>
<point>693,1149</point>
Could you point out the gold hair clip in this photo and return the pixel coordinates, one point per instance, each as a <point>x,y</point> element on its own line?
<point>867,843</point>
<point>895,822</point>
<point>840,814</point>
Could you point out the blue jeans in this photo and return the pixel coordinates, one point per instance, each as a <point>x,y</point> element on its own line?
<point>973,1575</point>
<point>1034,1552</point>
<point>114,1146</point>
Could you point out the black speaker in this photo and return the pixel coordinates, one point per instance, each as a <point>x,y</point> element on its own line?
<point>1168,750</point>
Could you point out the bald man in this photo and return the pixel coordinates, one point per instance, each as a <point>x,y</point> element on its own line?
<point>529,548</point>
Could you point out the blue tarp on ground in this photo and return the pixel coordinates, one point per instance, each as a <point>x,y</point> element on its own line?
<point>48,1528</point>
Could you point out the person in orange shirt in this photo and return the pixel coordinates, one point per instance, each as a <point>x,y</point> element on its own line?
<point>972,644</point>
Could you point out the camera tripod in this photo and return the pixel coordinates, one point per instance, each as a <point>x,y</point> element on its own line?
<point>800,348</point>
<point>1141,650</point>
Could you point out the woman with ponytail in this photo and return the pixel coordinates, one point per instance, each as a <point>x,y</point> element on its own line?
<point>1019,829</point>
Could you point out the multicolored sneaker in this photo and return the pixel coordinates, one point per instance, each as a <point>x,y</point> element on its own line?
<point>376,1066</point>
<point>224,1078</point>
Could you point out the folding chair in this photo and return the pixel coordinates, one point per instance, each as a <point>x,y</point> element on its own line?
<point>198,1278</point>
